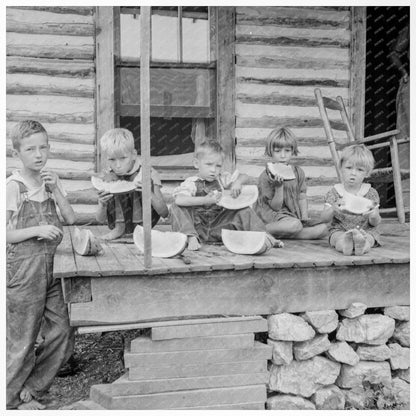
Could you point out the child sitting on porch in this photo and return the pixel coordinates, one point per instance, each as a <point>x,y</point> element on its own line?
<point>352,233</point>
<point>124,211</point>
<point>282,204</point>
<point>195,211</point>
<point>34,298</point>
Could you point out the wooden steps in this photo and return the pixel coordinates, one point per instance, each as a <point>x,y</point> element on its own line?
<point>211,364</point>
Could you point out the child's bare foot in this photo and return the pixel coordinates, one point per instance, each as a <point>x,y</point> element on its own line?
<point>25,395</point>
<point>345,244</point>
<point>274,242</point>
<point>361,243</point>
<point>193,243</point>
<point>31,405</point>
<point>116,232</point>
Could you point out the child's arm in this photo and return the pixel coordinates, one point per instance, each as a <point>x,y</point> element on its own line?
<point>374,217</point>
<point>51,181</point>
<point>194,201</point>
<point>276,202</point>
<point>48,232</point>
<point>158,203</point>
<point>303,205</point>
<point>101,213</point>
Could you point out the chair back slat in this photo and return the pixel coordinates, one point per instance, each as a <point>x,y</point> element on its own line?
<point>331,104</point>
<point>346,119</point>
<point>328,130</point>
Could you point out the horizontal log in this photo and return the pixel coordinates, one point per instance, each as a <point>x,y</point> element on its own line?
<point>85,214</point>
<point>48,46</point>
<point>293,16</point>
<point>273,62</point>
<point>260,110</point>
<point>84,11</point>
<point>83,134</point>
<point>299,53</point>
<point>266,31</point>
<point>289,41</point>
<point>305,152</point>
<point>65,151</point>
<point>307,135</point>
<point>40,22</point>
<point>52,67</point>
<point>71,185</point>
<point>65,169</point>
<point>87,197</point>
<point>298,82</point>
<point>295,90</point>
<point>25,84</point>
<point>321,174</point>
<point>50,109</point>
<point>277,99</point>
<point>301,161</point>
<point>272,122</point>
<point>294,74</point>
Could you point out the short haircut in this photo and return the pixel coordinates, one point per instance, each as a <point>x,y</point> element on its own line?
<point>116,141</point>
<point>24,129</point>
<point>208,146</point>
<point>279,138</point>
<point>359,155</point>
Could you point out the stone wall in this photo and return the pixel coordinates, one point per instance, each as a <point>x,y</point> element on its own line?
<point>337,359</point>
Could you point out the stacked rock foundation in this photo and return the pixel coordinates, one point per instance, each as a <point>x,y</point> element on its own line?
<point>328,359</point>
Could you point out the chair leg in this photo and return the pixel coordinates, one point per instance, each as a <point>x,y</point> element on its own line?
<point>397,180</point>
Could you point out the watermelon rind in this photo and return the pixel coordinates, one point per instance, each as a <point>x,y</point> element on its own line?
<point>247,197</point>
<point>356,204</point>
<point>281,169</point>
<point>164,244</point>
<point>85,243</point>
<point>244,242</point>
<point>114,187</point>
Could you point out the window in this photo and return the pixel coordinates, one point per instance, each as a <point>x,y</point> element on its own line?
<point>192,79</point>
<point>182,79</point>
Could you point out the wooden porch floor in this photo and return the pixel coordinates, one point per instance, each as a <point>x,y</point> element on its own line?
<point>122,258</point>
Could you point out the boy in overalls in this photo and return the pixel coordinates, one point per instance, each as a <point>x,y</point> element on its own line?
<point>123,211</point>
<point>33,233</point>
<point>195,212</point>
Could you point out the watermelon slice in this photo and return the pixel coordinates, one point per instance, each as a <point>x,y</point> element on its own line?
<point>114,187</point>
<point>85,243</point>
<point>247,197</point>
<point>245,242</point>
<point>164,244</point>
<point>355,204</point>
<point>281,170</point>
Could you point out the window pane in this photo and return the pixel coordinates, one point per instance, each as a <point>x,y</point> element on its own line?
<point>195,35</point>
<point>130,36</point>
<point>165,37</point>
<point>170,86</point>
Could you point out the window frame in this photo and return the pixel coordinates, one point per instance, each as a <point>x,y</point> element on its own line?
<point>221,47</point>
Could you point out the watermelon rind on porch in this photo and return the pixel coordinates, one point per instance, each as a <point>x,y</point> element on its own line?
<point>165,244</point>
<point>245,242</point>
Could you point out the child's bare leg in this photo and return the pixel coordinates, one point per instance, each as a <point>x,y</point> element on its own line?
<point>312,233</point>
<point>284,228</point>
<point>116,232</point>
<point>193,243</point>
<point>343,242</point>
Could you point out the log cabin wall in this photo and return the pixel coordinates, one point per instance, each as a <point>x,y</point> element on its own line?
<point>51,78</point>
<point>282,55</point>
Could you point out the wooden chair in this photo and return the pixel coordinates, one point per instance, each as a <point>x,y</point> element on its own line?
<point>388,174</point>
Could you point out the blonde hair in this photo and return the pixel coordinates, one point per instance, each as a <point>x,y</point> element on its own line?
<point>208,146</point>
<point>358,155</point>
<point>117,141</point>
<point>25,129</point>
<point>279,138</point>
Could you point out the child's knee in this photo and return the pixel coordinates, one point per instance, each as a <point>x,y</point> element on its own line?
<point>296,226</point>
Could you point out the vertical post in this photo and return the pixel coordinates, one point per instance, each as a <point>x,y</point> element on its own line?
<point>105,52</point>
<point>145,46</point>
<point>358,64</point>
<point>226,83</point>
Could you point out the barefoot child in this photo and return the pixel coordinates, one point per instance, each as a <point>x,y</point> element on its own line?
<point>33,233</point>
<point>282,204</point>
<point>352,233</point>
<point>195,212</point>
<point>123,212</point>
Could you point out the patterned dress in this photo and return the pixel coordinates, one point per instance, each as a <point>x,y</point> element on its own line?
<point>343,221</point>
